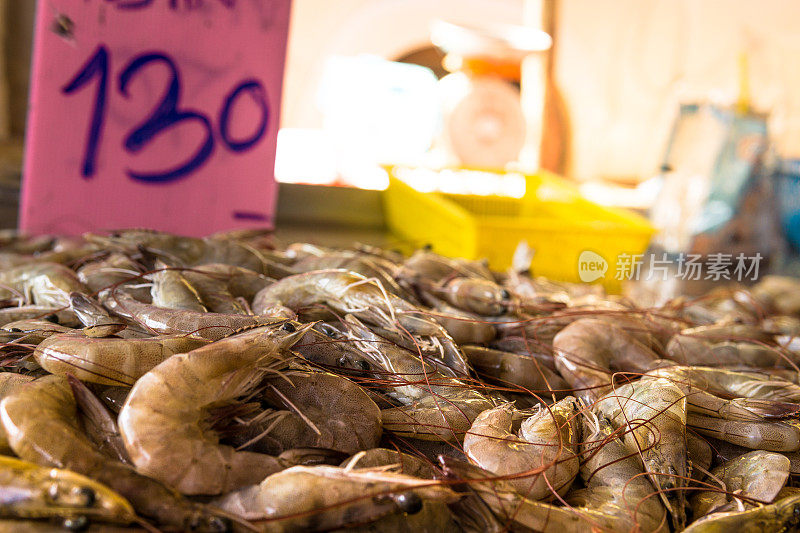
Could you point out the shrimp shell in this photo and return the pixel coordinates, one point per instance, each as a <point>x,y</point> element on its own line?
<point>109,361</point>
<point>162,421</point>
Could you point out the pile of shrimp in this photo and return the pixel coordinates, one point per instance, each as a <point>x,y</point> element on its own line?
<point>150,381</point>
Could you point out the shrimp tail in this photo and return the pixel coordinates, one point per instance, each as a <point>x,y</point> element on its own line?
<point>97,416</point>
<point>768,408</point>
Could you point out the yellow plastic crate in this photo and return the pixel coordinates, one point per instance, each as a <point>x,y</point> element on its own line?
<point>553,218</point>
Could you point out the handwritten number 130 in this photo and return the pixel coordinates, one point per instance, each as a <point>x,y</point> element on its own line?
<point>167,114</point>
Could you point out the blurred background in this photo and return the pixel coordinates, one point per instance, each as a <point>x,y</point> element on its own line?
<point>620,67</point>
<point>686,111</point>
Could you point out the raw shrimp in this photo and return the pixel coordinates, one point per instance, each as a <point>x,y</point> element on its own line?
<point>617,491</point>
<point>392,256</point>
<point>654,413</point>
<point>163,420</point>
<point>462,326</point>
<point>649,332</point>
<point>9,382</point>
<point>324,498</point>
<point>539,330</point>
<point>319,410</point>
<point>537,293</point>
<point>240,281</point>
<point>210,326</point>
<point>60,315</point>
<point>698,346</point>
<point>98,422</point>
<point>786,492</point>
<point>785,328</point>
<point>540,461</point>
<point>183,251</point>
<point>117,270</point>
<point>428,266</point>
<point>40,420</point>
<point>785,374</point>
<point>367,266</point>
<point>327,346</point>
<point>758,475</point>
<point>33,491</point>
<point>527,348</point>
<point>722,304</point>
<point>348,292</point>
<point>221,285</point>
<point>172,291</point>
<point>35,331</point>
<point>652,330</point>
<point>618,496</point>
<point>480,296</point>
<point>786,325</point>
<point>402,463</point>
<point>698,352</point>
<point>770,435</point>
<point>300,250</point>
<point>754,398</point>
<point>444,414</point>
<point>510,507</point>
<point>522,283</point>
<point>588,352</point>
<point>778,294</point>
<point>699,455</point>
<point>730,331</point>
<point>11,240</point>
<point>783,515</point>
<point>109,361</point>
<point>14,342</point>
<point>732,383</point>
<point>440,349</point>
<point>244,235</point>
<point>45,284</point>
<point>114,397</point>
<point>95,318</point>
<point>435,406</point>
<point>523,371</point>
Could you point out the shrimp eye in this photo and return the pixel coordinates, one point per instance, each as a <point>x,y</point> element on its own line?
<point>15,330</point>
<point>52,318</point>
<point>87,496</point>
<point>505,294</point>
<point>328,330</point>
<point>409,503</point>
<point>219,524</point>
<point>54,493</point>
<point>289,327</point>
<point>363,365</point>
<point>83,497</point>
<point>76,523</point>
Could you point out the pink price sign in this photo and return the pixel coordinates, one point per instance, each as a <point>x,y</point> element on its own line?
<point>154,113</point>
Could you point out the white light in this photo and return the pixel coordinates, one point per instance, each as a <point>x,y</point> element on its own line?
<point>462,181</point>
<point>293,163</point>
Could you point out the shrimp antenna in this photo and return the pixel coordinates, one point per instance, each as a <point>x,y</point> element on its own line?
<point>297,410</point>
<point>353,460</point>
<point>592,418</point>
